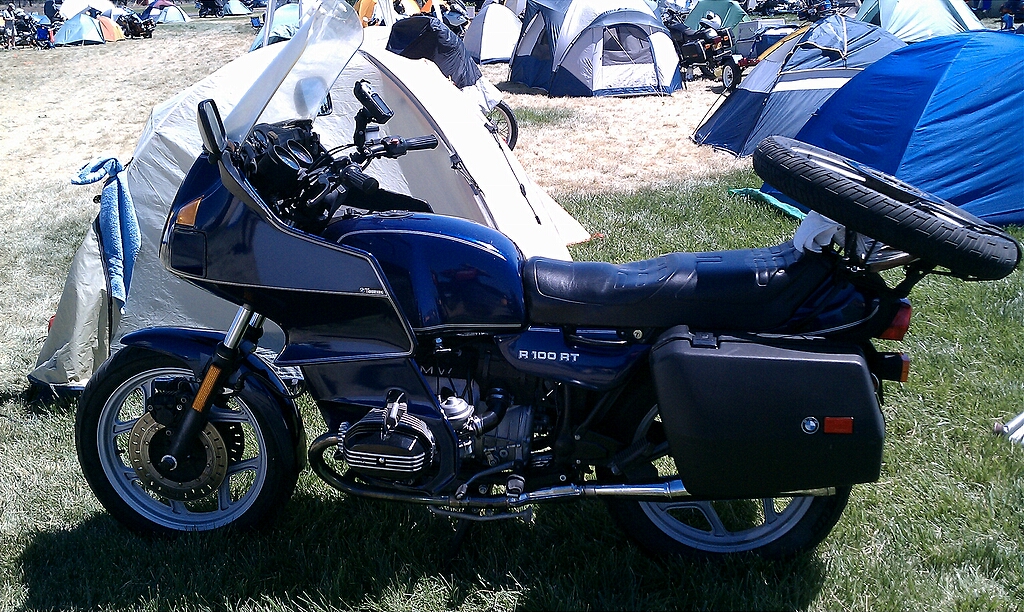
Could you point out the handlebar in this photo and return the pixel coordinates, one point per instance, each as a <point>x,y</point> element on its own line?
<point>353,176</point>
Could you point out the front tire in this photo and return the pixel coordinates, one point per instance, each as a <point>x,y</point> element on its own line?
<point>772,528</point>
<point>243,469</point>
<point>504,121</point>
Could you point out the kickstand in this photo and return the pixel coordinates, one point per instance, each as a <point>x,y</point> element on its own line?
<point>462,529</point>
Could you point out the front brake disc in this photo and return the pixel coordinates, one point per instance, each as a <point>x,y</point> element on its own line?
<point>200,472</point>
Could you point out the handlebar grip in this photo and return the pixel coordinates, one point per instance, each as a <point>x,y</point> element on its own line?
<point>421,142</point>
<point>354,177</point>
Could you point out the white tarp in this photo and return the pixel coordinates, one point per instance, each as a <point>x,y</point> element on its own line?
<point>70,8</point>
<point>493,34</point>
<point>917,20</point>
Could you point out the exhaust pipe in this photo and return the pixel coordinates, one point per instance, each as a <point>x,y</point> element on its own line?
<point>658,491</point>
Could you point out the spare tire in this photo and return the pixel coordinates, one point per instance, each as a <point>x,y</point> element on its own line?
<point>881,206</point>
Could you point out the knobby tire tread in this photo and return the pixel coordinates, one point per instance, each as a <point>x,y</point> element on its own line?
<point>975,250</point>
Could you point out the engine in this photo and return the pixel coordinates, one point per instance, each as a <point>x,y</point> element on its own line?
<point>389,444</point>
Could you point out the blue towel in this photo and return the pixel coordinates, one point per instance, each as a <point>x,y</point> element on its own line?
<point>119,227</point>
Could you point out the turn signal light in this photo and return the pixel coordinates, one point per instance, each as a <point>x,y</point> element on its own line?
<point>900,323</point>
<point>187,213</point>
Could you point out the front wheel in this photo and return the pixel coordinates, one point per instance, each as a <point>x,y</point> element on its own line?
<point>240,470</point>
<point>772,528</point>
<point>504,121</point>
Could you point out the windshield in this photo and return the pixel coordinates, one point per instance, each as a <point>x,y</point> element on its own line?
<point>297,80</point>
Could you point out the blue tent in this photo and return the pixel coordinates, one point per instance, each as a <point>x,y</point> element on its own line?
<point>79,30</point>
<point>784,89</point>
<point>942,115</point>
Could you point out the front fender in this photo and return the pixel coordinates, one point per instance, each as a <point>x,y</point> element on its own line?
<point>196,346</point>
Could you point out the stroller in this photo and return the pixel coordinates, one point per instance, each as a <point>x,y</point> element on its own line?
<point>426,37</point>
<point>210,8</point>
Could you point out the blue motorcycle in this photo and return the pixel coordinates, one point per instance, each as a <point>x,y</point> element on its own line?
<point>719,402</point>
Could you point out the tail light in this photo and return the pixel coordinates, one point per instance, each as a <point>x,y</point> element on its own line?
<point>900,323</point>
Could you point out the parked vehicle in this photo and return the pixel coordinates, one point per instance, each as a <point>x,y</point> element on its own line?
<point>708,49</point>
<point>719,402</point>
<point>136,27</point>
<point>210,8</point>
<point>427,37</point>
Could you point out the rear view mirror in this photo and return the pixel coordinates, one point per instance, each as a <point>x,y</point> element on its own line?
<point>211,128</point>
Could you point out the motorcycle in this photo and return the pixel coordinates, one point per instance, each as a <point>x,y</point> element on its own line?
<point>719,402</point>
<point>707,49</point>
<point>135,26</point>
<point>210,8</point>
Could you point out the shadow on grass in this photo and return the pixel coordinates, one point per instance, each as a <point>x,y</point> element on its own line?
<point>330,552</point>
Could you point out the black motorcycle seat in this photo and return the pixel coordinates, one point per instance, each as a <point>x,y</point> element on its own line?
<point>749,290</point>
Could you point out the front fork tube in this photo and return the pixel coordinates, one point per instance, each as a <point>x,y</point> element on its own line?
<point>245,326</point>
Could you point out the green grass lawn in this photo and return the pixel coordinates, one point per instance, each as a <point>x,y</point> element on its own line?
<point>943,529</point>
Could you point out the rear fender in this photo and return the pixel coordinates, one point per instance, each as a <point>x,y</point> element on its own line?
<point>196,346</point>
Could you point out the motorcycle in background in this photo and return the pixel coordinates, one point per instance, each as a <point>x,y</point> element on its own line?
<point>708,49</point>
<point>720,402</point>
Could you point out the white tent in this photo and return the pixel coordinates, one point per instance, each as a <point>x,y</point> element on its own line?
<point>172,14</point>
<point>493,34</point>
<point>917,20</point>
<point>487,185</point>
<point>595,48</point>
<point>234,7</point>
<point>70,8</point>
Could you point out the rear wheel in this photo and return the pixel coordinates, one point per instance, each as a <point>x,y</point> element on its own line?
<point>505,124</point>
<point>882,207</point>
<point>770,527</point>
<point>731,74</point>
<point>239,471</point>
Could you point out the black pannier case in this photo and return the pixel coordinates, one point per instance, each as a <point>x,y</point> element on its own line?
<point>748,419</point>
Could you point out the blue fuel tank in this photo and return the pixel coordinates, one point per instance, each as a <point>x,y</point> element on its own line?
<point>447,274</point>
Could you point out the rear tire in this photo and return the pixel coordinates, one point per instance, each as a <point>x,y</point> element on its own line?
<point>773,528</point>
<point>254,456</point>
<point>731,74</point>
<point>504,121</point>
<point>881,206</point>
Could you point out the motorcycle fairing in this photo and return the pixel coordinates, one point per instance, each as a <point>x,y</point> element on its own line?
<point>231,244</point>
<point>447,274</point>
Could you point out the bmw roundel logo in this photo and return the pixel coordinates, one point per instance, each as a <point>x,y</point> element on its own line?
<point>809,425</point>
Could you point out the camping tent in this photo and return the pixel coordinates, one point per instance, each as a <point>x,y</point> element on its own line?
<point>917,20</point>
<point>493,34</point>
<point>172,14</point>
<point>791,82</point>
<point>935,127</point>
<point>70,8</point>
<point>727,10</point>
<point>234,7</point>
<point>153,10</point>
<point>595,48</point>
<point>79,30</point>
<point>471,174</point>
<point>111,31</point>
<point>283,24</point>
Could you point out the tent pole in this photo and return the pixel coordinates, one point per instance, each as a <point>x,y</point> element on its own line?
<point>268,22</point>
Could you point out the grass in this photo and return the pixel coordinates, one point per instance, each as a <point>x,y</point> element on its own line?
<point>943,529</point>
<point>537,117</point>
